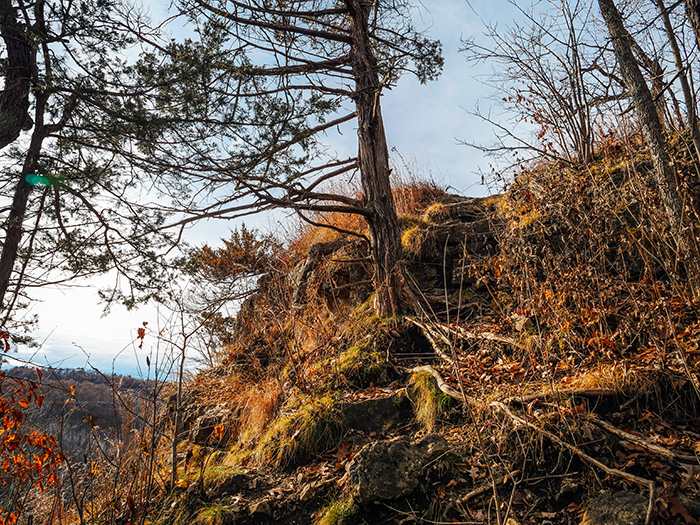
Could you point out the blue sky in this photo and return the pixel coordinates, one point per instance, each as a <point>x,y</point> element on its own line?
<point>423,123</point>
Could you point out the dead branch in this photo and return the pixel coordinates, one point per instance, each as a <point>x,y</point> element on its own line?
<point>485,488</point>
<point>444,387</point>
<point>649,484</point>
<point>642,442</point>
<point>583,392</point>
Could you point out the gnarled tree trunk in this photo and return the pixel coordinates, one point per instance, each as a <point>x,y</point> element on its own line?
<point>14,98</point>
<point>374,165</point>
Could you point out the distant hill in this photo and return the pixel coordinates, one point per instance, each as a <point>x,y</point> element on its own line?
<point>79,404</point>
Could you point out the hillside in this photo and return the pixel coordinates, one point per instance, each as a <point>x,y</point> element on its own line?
<point>79,404</point>
<point>547,374</point>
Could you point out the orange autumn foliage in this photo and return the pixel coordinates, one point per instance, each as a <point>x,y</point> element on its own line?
<point>27,457</point>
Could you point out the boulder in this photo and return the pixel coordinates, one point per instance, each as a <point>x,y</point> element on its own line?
<point>386,470</point>
<point>376,415</point>
<point>621,508</point>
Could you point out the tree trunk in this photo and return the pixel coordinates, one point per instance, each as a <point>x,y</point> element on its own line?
<point>685,85</point>
<point>374,165</point>
<point>692,9</point>
<point>14,224</point>
<point>648,118</point>
<point>14,98</point>
<point>653,67</point>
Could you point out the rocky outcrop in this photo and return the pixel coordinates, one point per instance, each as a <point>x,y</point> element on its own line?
<point>377,415</point>
<point>621,508</point>
<point>299,278</point>
<point>387,470</point>
<point>459,233</point>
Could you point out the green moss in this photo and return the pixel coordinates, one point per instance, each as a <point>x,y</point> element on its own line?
<point>428,401</point>
<point>217,474</point>
<point>337,512</point>
<point>411,221</point>
<point>309,428</point>
<point>360,365</point>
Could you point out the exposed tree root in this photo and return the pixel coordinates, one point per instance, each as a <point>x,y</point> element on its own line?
<point>644,443</point>
<point>583,392</point>
<point>501,406</point>
<point>445,388</point>
<point>441,329</point>
<point>649,484</point>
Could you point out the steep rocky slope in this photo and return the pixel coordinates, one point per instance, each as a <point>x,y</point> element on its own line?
<point>548,373</point>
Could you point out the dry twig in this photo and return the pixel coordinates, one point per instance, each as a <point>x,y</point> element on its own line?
<point>649,484</point>
<point>642,442</point>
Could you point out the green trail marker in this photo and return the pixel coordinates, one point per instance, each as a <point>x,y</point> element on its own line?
<point>38,181</point>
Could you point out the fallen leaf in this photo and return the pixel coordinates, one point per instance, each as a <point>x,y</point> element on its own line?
<point>343,451</point>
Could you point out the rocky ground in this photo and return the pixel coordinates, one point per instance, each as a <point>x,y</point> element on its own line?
<point>547,376</point>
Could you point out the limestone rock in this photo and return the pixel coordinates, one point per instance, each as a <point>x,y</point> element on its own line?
<point>313,490</point>
<point>621,508</point>
<point>259,508</point>
<point>202,431</point>
<point>375,415</point>
<point>232,484</point>
<point>390,469</point>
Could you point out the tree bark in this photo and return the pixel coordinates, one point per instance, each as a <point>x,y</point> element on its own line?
<point>15,220</point>
<point>648,118</point>
<point>374,165</point>
<point>655,70</point>
<point>692,9</point>
<point>14,98</point>
<point>682,77</point>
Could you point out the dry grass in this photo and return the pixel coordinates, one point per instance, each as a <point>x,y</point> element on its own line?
<point>429,403</point>
<point>259,403</point>
<point>306,427</point>
<point>216,514</point>
<point>414,192</point>
<point>618,378</point>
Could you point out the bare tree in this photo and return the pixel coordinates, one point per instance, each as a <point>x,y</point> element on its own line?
<point>549,75</point>
<point>681,73</point>
<point>647,115</point>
